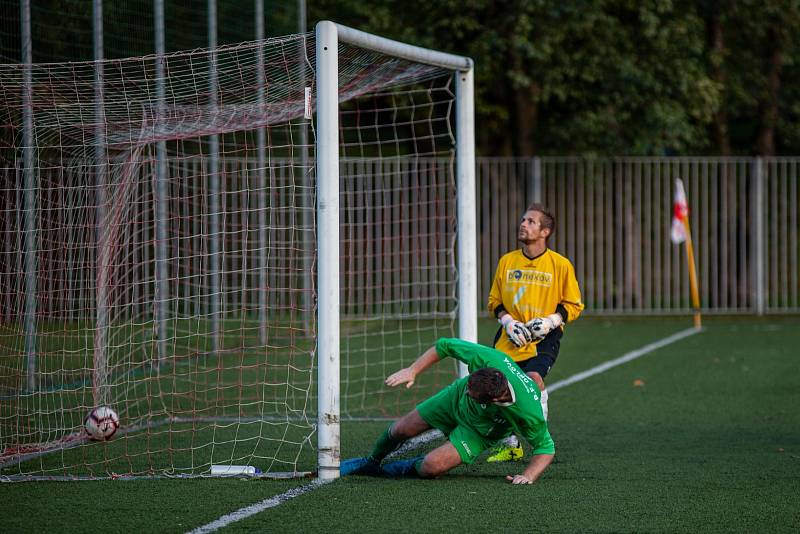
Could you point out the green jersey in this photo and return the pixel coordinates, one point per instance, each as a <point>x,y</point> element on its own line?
<point>522,415</point>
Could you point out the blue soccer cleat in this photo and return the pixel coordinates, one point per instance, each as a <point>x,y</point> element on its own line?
<point>401,468</point>
<point>359,466</point>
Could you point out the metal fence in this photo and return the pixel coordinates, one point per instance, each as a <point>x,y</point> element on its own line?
<point>613,219</point>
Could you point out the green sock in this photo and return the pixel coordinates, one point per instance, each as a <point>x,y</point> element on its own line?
<point>386,443</point>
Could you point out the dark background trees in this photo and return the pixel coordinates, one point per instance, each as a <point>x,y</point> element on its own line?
<point>604,77</point>
<point>615,77</point>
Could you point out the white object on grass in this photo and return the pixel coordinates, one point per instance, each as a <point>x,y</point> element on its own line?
<point>234,470</point>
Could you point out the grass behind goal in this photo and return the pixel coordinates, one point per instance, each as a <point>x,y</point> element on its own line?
<point>699,435</point>
<point>246,404</point>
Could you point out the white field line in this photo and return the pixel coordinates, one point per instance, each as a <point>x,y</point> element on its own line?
<point>432,435</point>
<point>258,507</point>
<point>625,358</point>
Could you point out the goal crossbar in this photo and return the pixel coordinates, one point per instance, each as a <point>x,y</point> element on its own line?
<point>402,50</point>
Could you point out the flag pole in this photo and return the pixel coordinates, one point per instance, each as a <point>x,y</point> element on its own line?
<point>681,233</point>
<point>692,276</point>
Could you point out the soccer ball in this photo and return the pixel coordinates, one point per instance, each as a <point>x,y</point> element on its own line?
<point>101,423</point>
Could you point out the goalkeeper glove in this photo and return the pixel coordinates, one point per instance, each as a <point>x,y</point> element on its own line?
<point>541,326</point>
<point>517,332</point>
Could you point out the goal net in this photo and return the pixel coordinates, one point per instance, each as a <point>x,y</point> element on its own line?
<point>160,254</point>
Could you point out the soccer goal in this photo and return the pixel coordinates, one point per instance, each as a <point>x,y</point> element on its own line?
<point>225,251</point>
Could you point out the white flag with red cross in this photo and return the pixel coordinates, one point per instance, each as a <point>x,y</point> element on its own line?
<point>680,214</point>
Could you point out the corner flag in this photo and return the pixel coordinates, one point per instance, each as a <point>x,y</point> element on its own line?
<point>680,214</point>
<point>681,233</point>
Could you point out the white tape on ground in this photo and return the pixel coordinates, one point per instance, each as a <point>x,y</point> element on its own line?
<point>432,435</point>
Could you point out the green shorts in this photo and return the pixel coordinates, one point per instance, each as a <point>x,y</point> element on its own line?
<point>441,412</point>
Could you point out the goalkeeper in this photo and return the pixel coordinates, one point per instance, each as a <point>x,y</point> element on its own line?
<point>474,412</point>
<point>533,295</point>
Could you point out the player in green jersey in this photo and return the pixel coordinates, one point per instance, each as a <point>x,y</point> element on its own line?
<point>496,399</point>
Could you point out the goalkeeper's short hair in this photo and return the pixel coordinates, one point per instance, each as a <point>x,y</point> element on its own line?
<point>486,384</point>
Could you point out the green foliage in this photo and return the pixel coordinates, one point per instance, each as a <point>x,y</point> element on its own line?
<point>553,77</point>
<point>610,77</point>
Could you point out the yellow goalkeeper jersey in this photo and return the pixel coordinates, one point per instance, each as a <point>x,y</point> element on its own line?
<point>529,288</point>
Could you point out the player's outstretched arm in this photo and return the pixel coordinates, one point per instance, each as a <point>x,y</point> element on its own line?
<point>408,374</point>
<point>535,468</point>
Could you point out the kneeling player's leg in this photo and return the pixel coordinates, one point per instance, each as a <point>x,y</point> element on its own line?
<point>437,412</point>
<point>464,447</point>
<point>406,427</point>
<point>439,461</point>
<point>395,434</point>
<point>410,425</point>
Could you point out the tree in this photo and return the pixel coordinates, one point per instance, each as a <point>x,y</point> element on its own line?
<point>607,77</point>
<point>752,53</point>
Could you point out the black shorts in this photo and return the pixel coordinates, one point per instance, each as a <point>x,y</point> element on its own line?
<point>546,354</point>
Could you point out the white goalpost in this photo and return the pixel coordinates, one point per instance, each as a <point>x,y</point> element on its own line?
<point>229,248</point>
<point>328,37</point>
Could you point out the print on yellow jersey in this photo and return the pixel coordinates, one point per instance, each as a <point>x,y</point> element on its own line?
<point>529,288</point>
<point>529,276</point>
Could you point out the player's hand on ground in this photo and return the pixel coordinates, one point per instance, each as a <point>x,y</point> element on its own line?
<point>403,376</point>
<point>519,479</point>
<point>517,332</point>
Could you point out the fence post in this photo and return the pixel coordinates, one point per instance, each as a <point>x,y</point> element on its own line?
<point>535,181</point>
<point>759,297</point>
